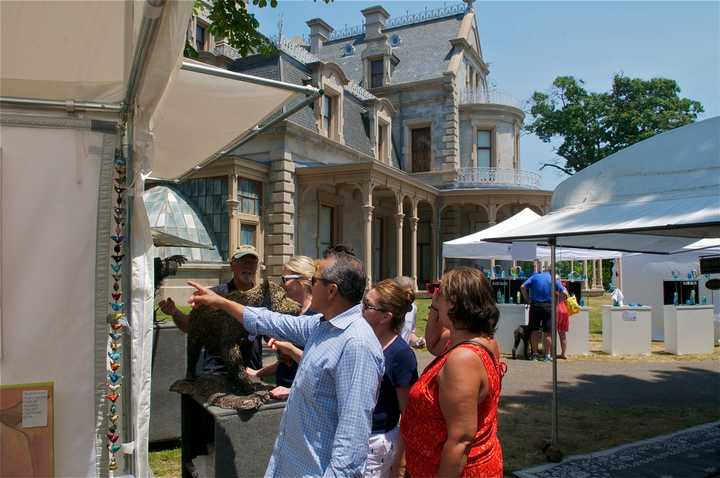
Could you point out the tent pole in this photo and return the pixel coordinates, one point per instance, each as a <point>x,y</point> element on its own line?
<point>68,105</point>
<point>231,75</point>
<point>553,331</point>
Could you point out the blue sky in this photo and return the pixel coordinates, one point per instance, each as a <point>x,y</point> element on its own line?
<point>527,44</point>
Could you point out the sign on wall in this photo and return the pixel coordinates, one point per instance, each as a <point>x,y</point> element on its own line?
<point>26,428</point>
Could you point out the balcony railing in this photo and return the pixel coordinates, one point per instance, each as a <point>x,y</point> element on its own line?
<point>495,97</point>
<point>496,177</point>
<point>223,49</point>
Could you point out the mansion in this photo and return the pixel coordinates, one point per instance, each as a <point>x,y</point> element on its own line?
<point>406,148</point>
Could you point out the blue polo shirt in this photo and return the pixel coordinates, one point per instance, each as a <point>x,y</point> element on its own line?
<point>538,286</point>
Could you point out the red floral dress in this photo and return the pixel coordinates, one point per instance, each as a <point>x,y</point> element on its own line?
<point>424,430</point>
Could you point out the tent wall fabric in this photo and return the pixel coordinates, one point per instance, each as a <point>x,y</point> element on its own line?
<point>654,196</point>
<point>643,276</point>
<point>53,61</point>
<point>49,250</point>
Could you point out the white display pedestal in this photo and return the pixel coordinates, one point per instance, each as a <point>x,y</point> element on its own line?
<point>511,317</point>
<point>626,330</point>
<point>578,334</point>
<point>689,329</point>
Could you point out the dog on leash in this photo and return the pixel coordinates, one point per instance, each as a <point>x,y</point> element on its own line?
<point>522,334</point>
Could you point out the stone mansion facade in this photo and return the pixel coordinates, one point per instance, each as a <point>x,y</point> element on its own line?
<point>406,148</point>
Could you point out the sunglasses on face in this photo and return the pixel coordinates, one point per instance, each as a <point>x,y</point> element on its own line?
<point>290,277</point>
<point>367,306</point>
<point>314,280</point>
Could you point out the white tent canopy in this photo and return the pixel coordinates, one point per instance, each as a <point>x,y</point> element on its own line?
<point>656,196</point>
<point>474,246</point>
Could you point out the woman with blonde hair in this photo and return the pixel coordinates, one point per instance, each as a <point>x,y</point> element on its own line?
<point>296,280</point>
<point>450,423</point>
<point>384,307</point>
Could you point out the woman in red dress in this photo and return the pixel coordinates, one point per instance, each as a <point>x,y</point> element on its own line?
<point>450,423</point>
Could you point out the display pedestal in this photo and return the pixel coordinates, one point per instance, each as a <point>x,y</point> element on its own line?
<point>578,333</point>
<point>626,330</point>
<point>227,443</point>
<point>168,363</point>
<point>689,329</point>
<point>511,317</point>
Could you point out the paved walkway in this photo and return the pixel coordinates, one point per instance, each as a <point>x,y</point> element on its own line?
<point>671,384</point>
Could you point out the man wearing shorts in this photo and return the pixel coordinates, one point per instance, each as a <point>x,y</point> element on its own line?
<point>536,291</point>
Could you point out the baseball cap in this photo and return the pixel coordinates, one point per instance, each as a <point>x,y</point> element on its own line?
<point>242,251</point>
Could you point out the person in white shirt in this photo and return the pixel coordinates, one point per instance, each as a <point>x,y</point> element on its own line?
<point>408,331</point>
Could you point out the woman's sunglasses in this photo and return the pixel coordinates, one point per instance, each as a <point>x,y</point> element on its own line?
<point>291,277</point>
<point>367,306</point>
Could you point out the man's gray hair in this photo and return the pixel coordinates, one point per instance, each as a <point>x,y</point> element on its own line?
<point>348,274</point>
<point>405,282</point>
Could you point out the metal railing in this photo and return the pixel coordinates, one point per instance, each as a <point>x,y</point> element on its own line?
<point>492,96</point>
<point>407,19</point>
<point>474,177</point>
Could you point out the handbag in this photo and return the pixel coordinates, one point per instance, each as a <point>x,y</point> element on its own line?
<point>572,305</point>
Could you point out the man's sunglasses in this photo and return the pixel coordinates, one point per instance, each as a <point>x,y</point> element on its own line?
<point>290,277</point>
<point>315,279</point>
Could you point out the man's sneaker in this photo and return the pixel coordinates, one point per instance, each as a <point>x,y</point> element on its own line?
<point>538,357</point>
<point>548,358</point>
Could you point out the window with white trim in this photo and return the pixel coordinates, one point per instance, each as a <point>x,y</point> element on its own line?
<point>484,148</point>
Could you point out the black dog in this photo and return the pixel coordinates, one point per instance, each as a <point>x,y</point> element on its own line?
<point>522,333</point>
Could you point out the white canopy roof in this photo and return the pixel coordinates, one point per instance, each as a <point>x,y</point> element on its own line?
<point>656,196</point>
<point>473,246</point>
<point>83,52</point>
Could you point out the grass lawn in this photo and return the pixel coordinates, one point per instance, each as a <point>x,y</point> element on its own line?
<point>162,316</point>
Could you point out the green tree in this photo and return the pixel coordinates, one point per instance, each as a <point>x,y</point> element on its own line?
<point>595,125</point>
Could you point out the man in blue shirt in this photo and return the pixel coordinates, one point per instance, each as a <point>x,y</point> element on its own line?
<point>327,421</point>
<point>540,300</point>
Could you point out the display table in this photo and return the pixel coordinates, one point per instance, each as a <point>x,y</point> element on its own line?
<point>689,329</point>
<point>511,317</point>
<point>578,333</point>
<point>227,443</point>
<point>626,330</point>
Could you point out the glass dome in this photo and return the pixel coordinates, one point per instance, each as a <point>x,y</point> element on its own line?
<point>170,212</point>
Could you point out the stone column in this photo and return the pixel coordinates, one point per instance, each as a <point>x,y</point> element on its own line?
<point>595,276</point>
<point>434,238</point>
<point>413,249</point>
<point>232,207</point>
<point>280,239</point>
<point>399,218</point>
<point>600,275</point>
<point>367,232</point>
<point>585,273</point>
<point>449,144</point>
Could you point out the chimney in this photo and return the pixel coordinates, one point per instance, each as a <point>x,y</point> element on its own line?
<point>319,33</point>
<point>375,22</point>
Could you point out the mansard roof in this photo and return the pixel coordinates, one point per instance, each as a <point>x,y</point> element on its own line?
<point>423,49</point>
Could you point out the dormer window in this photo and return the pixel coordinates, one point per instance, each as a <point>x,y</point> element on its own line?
<point>377,71</point>
<point>348,50</point>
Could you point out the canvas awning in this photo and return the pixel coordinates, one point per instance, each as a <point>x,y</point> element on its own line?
<point>474,246</point>
<point>656,196</point>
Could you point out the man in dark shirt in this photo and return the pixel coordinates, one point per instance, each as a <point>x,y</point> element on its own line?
<point>244,264</point>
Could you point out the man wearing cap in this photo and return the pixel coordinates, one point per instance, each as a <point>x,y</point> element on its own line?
<point>244,264</point>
